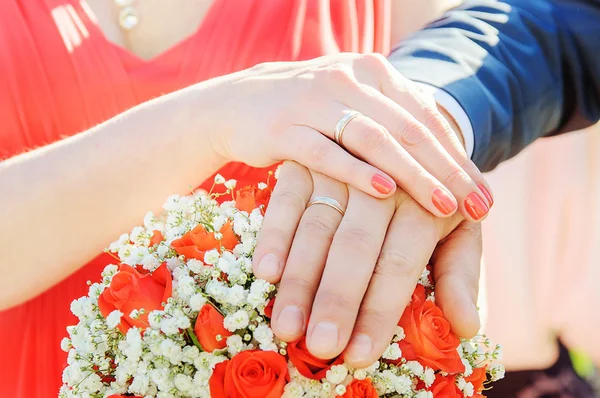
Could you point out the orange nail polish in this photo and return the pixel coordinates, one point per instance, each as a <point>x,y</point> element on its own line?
<point>382,184</point>
<point>443,201</point>
<point>487,194</point>
<point>475,206</point>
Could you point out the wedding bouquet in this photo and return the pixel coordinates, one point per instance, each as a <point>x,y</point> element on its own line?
<point>181,315</point>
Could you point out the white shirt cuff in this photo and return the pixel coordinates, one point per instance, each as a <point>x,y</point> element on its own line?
<point>452,106</point>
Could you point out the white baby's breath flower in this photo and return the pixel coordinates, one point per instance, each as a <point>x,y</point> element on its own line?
<point>403,384</point>
<point>497,372</point>
<point>65,344</point>
<point>360,374</point>
<point>415,368</point>
<point>236,296</point>
<point>197,301</point>
<point>293,390</point>
<point>392,352</point>
<point>340,389</point>
<point>428,376</point>
<point>113,319</point>
<point>230,184</point>
<point>237,320</point>
<point>336,374</point>
<point>235,344</point>
<point>424,394</point>
<point>219,179</point>
<point>211,257</point>
<point>399,334</point>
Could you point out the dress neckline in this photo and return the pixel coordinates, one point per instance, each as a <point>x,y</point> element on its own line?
<point>165,54</point>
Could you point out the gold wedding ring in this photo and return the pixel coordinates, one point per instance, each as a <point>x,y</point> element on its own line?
<point>324,200</point>
<point>341,126</point>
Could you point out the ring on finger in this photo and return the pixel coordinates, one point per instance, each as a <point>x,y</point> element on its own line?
<point>324,200</point>
<point>341,126</point>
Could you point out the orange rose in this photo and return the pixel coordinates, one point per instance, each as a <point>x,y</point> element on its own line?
<point>360,389</point>
<point>250,197</point>
<point>198,241</point>
<point>209,324</point>
<point>445,387</point>
<point>307,364</point>
<point>131,290</point>
<point>477,378</point>
<point>249,374</point>
<point>428,336</point>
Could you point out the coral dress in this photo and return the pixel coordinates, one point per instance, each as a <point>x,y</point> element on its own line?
<point>59,75</point>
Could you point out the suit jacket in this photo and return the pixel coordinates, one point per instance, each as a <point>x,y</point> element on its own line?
<point>521,69</point>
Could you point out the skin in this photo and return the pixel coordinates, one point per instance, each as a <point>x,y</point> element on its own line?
<point>80,187</point>
<point>353,275</point>
<point>401,130</point>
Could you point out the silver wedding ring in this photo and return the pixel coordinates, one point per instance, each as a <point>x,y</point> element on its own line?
<point>324,200</point>
<point>341,126</point>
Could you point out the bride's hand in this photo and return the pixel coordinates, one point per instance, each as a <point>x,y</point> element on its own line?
<point>353,275</point>
<point>281,111</point>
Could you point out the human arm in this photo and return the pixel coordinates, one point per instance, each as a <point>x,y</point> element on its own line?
<point>93,186</point>
<point>520,69</point>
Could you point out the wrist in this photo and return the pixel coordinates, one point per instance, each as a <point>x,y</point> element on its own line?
<point>207,123</point>
<point>455,127</point>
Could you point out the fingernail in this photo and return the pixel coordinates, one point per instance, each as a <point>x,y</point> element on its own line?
<point>290,320</point>
<point>382,184</point>
<point>487,194</point>
<point>443,201</point>
<point>360,347</point>
<point>475,206</point>
<point>269,265</point>
<point>324,338</point>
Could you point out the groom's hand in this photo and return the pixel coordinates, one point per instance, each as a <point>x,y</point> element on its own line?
<point>347,280</point>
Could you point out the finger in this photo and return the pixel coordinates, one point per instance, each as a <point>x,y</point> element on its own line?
<point>310,148</point>
<point>424,147</point>
<point>456,267</point>
<point>306,260</point>
<point>286,206</point>
<point>411,238</point>
<point>350,263</point>
<point>364,137</point>
<point>428,113</point>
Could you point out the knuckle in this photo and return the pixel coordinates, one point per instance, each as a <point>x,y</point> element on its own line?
<point>373,138</point>
<point>374,60</point>
<point>321,227</point>
<point>454,176</point>
<point>414,135</point>
<point>433,119</point>
<point>395,262</point>
<point>289,198</point>
<point>297,286</point>
<point>373,318</point>
<point>318,154</point>
<point>334,301</point>
<point>338,73</point>
<point>356,238</point>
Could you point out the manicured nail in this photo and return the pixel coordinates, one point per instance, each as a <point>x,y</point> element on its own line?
<point>360,347</point>
<point>487,194</point>
<point>324,338</point>
<point>382,184</point>
<point>269,266</point>
<point>443,201</point>
<point>290,320</point>
<point>475,206</point>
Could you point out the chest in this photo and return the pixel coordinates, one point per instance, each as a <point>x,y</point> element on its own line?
<point>160,24</point>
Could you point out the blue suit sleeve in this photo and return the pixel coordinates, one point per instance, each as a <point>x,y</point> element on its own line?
<point>521,69</point>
